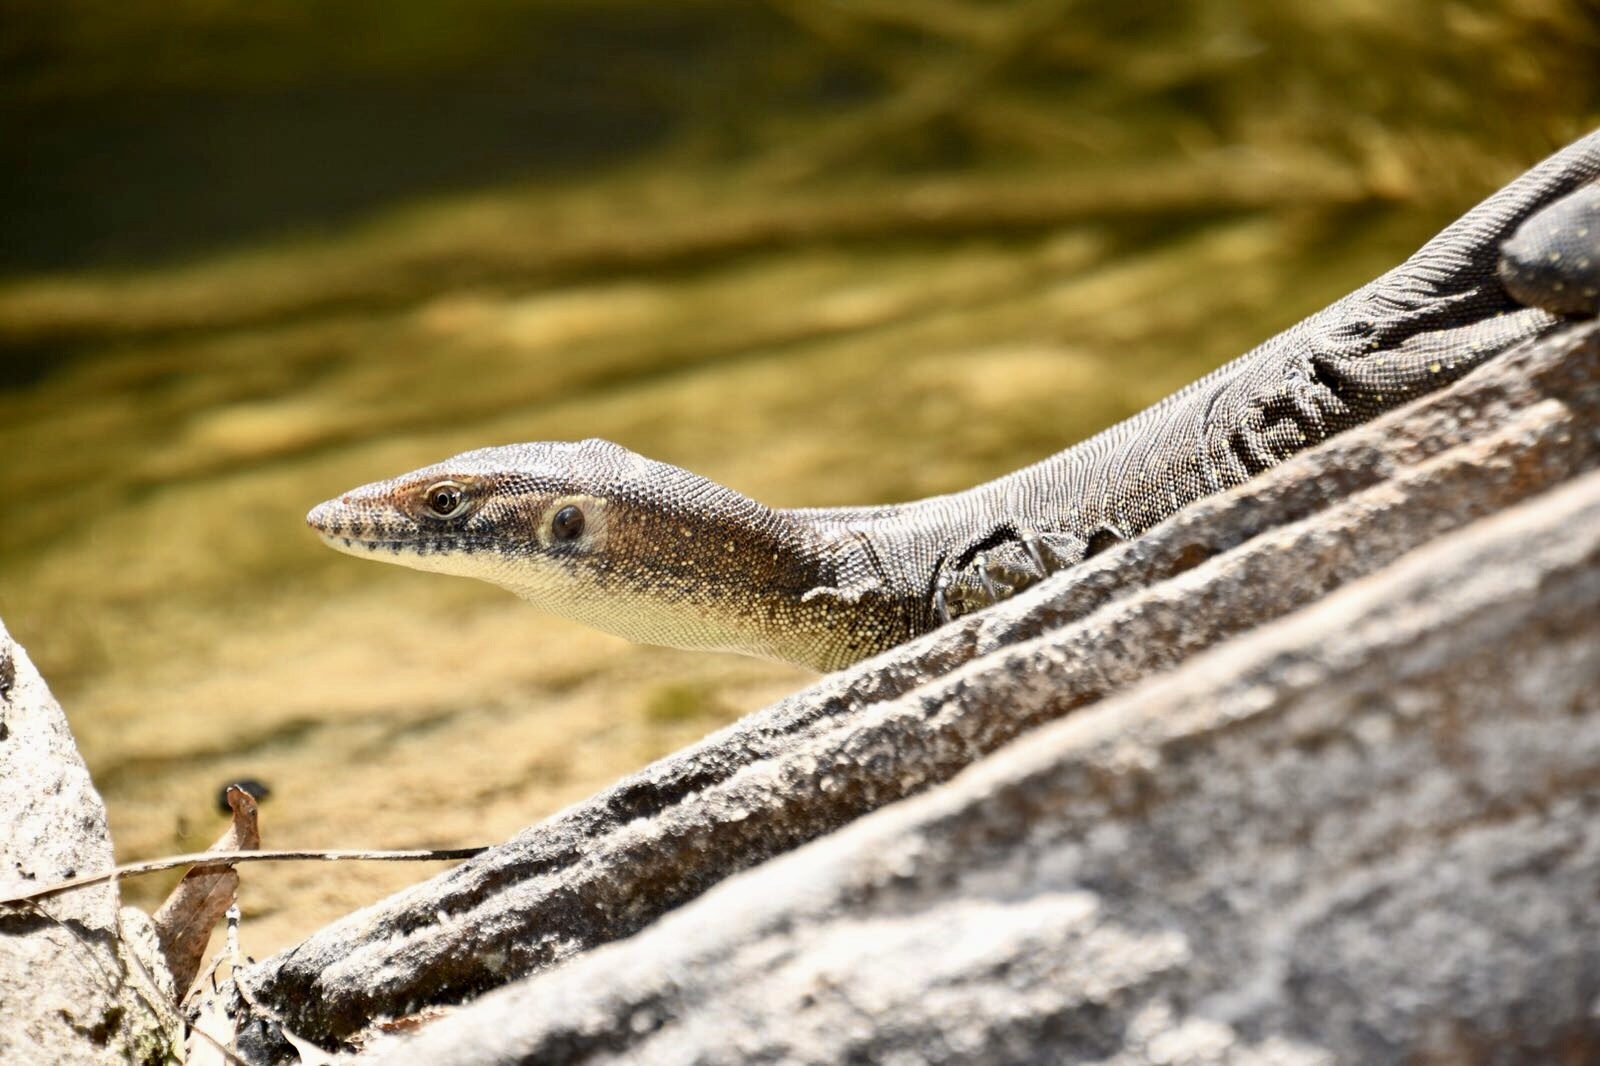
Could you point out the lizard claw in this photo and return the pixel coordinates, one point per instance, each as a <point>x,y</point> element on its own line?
<point>1029,539</point>
<point>980,563</point>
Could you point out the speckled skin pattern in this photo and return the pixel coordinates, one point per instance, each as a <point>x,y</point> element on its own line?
<point>661,555</point>
<point>1553,260</point>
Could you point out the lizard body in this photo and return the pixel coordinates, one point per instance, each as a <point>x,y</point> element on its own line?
<point>658,554</point>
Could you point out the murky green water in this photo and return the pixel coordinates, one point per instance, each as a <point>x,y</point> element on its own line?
<point>859,333</point>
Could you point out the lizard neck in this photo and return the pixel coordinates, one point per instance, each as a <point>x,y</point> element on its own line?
<point>867,589</point>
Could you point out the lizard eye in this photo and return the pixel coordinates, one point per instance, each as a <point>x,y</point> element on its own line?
<point>446,499</point>
<point>567,523</point>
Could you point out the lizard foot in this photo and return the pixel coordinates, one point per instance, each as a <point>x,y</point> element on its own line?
<point>1004,570</point>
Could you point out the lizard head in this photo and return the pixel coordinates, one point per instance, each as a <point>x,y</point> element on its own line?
<point>593,532</point>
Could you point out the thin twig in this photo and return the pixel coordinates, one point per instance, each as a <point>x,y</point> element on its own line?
<point>228,858</point>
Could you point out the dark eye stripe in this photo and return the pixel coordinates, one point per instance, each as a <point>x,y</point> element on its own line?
<point>567,523</point>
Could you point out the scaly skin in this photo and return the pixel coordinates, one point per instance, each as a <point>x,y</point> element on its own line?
<point>658,554</point>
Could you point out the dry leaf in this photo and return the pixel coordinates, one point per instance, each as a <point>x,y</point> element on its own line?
<point>185,920</point>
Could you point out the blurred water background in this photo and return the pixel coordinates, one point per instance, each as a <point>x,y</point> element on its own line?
<point>252,255</point>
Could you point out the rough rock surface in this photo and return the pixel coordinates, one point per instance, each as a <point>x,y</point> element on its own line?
<point>915,717</point>
<point>69,990</point>
<point>1367,833</point>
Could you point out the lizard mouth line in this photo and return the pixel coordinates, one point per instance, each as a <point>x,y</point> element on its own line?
<point>406,545</point>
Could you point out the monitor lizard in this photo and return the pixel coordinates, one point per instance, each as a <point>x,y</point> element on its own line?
<point>655,553</point>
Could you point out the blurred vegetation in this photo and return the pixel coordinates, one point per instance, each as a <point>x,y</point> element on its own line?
<point>825,252</point>
<point>141,128</point>
<point>682,701</point>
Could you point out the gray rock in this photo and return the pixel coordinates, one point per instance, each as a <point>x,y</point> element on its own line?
<point>914,717</point>
<point>1366,833</point>
<point>71,990</point>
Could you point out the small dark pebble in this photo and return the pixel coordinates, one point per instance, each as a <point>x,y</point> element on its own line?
<point>8,674</point>
<point>258,789</point>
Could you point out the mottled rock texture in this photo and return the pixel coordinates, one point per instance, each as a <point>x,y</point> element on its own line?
<point>71,990</point>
